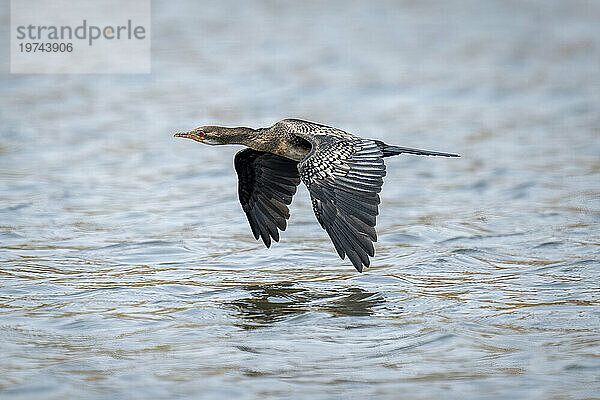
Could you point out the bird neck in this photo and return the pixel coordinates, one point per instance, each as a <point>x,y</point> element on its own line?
<point>256,139</point>
<point>238,135</point>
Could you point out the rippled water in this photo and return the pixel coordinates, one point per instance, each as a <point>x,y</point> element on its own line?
<point>128,269</point>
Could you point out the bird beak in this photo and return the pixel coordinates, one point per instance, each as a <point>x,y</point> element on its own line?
<point>188,135</point>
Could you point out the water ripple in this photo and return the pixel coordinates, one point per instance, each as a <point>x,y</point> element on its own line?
<point>128,270</point>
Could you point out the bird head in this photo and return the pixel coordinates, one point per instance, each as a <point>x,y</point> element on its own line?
<point>206,134</point>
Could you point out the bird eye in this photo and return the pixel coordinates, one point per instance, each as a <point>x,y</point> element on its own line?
<point>200,133</point>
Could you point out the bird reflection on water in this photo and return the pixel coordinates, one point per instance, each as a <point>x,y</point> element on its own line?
<point>268,304</point>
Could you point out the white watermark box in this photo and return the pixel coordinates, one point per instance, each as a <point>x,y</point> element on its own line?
<point>80,36</point>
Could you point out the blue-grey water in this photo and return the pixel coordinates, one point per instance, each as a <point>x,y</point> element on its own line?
<point>128,270</point>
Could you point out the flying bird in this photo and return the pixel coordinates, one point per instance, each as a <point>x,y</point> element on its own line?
<point>343,173</point>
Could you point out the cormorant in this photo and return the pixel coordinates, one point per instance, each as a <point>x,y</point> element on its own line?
<point>343,173</point>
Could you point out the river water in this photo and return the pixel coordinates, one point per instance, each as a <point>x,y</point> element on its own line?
<point>128,270</point>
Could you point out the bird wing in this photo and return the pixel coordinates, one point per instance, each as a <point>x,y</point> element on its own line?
<point>344,176</point>
<point>266,185</point>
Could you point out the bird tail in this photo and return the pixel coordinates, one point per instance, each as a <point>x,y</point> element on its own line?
<point>395,150</point>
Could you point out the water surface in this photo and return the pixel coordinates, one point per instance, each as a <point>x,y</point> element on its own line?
<point>128,269</point>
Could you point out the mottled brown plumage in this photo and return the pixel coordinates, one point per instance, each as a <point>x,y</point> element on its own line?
<point>343,173</point>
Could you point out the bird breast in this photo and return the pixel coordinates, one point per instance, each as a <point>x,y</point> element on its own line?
<point>296,153</point>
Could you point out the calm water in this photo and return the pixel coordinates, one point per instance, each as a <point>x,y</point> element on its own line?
<point>128,269</point>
